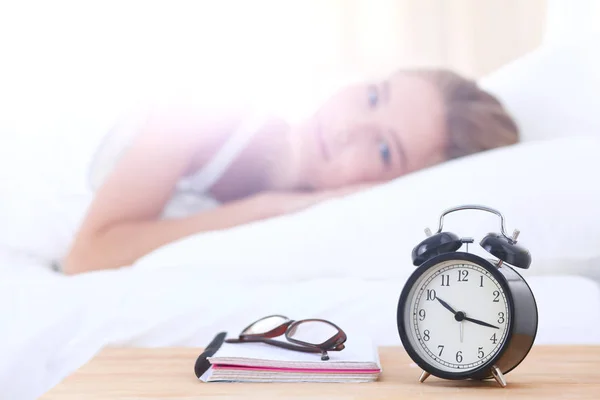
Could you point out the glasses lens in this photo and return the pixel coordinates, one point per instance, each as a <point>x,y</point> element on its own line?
<point>312,332</point>
<point>265,325</point>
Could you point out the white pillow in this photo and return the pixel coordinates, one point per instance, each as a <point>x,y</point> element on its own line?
<point>42,194</point>
<point>45,148</point>
<point>547,189</point>
<point>553,91</point>
<point>39,223</point>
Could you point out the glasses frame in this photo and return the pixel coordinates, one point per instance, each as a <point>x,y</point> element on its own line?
<point>287,328</point>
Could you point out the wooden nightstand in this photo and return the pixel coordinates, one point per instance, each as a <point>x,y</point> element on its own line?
<point>549,372</point>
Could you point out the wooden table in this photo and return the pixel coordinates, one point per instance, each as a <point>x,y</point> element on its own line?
<point>549,372</point>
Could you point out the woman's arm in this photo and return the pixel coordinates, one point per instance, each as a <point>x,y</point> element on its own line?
<point>134,194</point>
<point>123,222</point>
<point>121,243</point>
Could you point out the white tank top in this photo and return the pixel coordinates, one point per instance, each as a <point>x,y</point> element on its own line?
<point>191,195</point>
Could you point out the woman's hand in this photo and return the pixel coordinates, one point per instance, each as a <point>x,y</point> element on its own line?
<point>272,204</point>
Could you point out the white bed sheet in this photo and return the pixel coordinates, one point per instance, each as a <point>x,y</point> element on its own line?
<point>51,324</point>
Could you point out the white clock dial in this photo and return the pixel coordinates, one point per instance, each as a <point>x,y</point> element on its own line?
<point>458,316</point>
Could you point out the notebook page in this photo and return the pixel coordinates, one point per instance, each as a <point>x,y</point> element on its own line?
<point>359,349</point>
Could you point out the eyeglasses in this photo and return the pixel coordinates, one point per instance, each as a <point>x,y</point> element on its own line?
<point>306,335</point>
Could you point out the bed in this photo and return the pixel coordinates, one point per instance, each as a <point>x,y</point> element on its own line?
<point>344,260</point>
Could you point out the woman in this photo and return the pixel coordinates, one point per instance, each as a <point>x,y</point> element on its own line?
<point>253,168</point>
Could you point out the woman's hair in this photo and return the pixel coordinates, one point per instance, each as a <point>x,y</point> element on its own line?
<point>475,120</point>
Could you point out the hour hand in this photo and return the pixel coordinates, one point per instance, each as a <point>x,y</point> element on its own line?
<point>446,305</point>
<point>478,322</point>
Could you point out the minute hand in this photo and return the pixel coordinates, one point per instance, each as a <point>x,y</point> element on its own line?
<point>478,322</point>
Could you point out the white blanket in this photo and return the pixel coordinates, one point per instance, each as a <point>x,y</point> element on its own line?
<point>52,324</point>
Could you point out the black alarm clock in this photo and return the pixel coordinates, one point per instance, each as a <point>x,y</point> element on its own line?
<point>462,316</point>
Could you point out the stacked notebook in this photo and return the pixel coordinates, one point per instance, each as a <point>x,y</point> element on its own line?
<point>258,362</point>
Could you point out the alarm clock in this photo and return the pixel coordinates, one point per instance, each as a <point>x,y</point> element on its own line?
<point>462,316</point>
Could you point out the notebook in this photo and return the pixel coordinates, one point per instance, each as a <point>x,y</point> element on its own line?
<point>258,362</point>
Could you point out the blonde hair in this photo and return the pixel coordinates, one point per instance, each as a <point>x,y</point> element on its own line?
<point>475,120</point>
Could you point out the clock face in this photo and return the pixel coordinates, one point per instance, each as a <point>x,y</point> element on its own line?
<point>456,316</point>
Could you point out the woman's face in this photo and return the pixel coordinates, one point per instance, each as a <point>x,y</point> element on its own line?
<point>371,133</point>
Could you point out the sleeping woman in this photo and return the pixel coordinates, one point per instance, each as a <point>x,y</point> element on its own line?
<point>186,170</point>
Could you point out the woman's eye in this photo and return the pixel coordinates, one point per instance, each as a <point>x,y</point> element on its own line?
<point>373,96</point>
<point>384,152</point>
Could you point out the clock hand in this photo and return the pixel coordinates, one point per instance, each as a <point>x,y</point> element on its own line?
<point>459,316</point>
<point>446,305</point>
<point>478,322</point>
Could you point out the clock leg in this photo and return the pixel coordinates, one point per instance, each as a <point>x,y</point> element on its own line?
<point>498,376</point>
<point>424,376</point>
